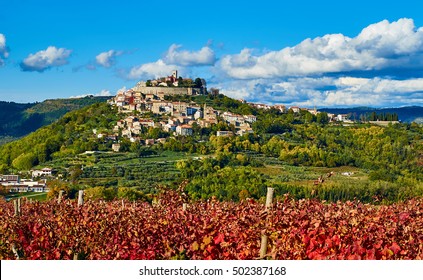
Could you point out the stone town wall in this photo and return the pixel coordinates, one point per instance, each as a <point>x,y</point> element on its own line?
<point>169,90</point>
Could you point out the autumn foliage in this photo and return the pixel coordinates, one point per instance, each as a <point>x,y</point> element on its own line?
<point>297,229</point>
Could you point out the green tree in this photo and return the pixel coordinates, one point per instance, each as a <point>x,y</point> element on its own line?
<point>101,192</point>
<point>55,186</point>
<point>24,161</point>
<point>322,118</point>
<point>180,82</point>
<point>129,194</point>
<point>75,172</point>
<point>198,83</point>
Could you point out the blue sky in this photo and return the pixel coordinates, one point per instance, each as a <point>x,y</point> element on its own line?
<point>306,53</point>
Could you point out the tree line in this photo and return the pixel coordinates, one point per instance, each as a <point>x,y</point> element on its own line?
<point>382,116</point>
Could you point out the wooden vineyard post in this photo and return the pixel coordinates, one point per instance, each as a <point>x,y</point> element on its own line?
<point>80,198</point>
<point>19,206</point>
<point>15,252</point>
<point>80,203</point>
<point>264,237</point>
<point>269,198</point>
<point>184,207</point>
<point>59,199</point>
<point>263,245</point>
<point>16,207</point>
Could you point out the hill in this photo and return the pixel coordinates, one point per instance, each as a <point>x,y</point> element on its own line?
<point>68,135</point>
<point>17,120</point>
<point>406,114</point>
<point>291,152</point>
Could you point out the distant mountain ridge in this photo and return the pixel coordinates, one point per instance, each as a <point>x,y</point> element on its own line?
<point>406,114</point>
<point>17,120</point>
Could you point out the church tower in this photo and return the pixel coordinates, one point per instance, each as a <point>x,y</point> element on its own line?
<point>175,74</point>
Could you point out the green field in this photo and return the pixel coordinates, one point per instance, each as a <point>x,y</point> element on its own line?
<point>122,169</point>
<point>28,195</point>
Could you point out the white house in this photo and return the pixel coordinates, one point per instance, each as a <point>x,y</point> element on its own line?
<point>184,130</point>
<point>242,132</point>
<point>250,118</point>
<point>295,109</point>
<point>116,147</point>
<point>169,127</point>
<point>198,115</point>
<point>342,118</point>
<point>42,172</point>
<point>146,122</point>
<point>224,133</point>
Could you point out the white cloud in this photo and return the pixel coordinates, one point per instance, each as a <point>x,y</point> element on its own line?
<point>152,70</point>
<point>376,91</point>
<point>386,39</point>
<point>122,89</point>
<point>103,92</point>
<point>332,70</point>
<point>240,89</point>
<point>107,59</point>
<point>3,49</point>
<point>378,46</point>
<point>174,59</point>
<point>45,59</point>
<point>327,91</point>
<point>204,56</point>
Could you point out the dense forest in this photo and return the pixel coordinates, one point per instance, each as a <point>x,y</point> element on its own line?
<point>67,136</point>
<point>17,120</point>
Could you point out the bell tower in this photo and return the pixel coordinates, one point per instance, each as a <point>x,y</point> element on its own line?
<point>175,74</point>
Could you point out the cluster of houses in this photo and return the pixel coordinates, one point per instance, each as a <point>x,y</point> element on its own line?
<point>181,116</point>
<point>150,97</point>
<point>145,97</point>
<point>242,123</point>
<point>296,109</point>
<point>14,183</point>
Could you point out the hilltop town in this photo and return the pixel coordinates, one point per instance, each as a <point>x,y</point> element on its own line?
<point>178,118</point>
<point>150,97</point>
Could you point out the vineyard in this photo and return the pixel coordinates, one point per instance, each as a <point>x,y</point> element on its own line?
<point>122,169</point>
<point>170,229</point>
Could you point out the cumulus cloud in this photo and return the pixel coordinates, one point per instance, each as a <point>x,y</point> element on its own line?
<point>204,56</point>
<point>379,46</point>
<point>381,66</point>
<point>107,59</point>
<point>389,40</point>
<point>4,52</point>
<point>328,91</point>
<point>122,89</point>
<point>153,69</point>
<point>46,59</point>
<point>103,92</point>
<point>173,59</point>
